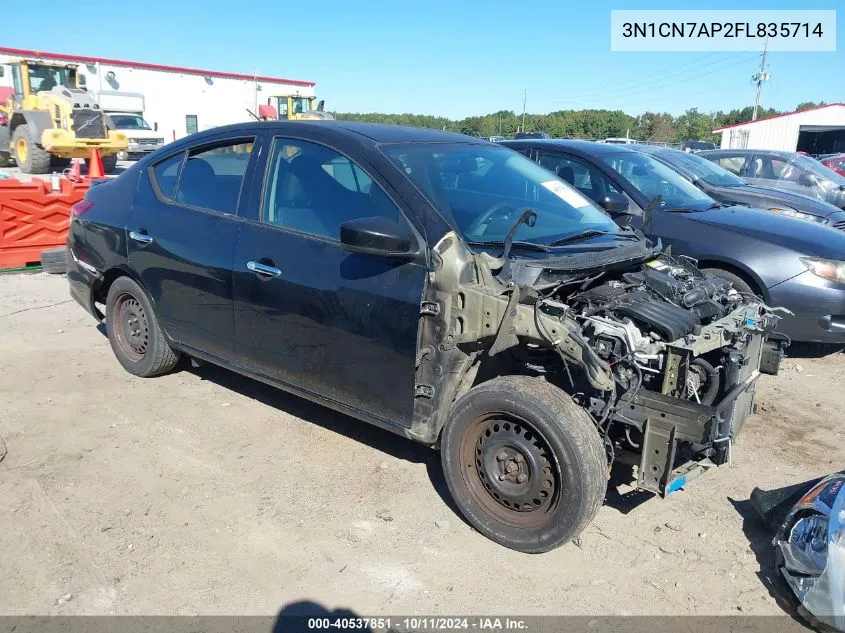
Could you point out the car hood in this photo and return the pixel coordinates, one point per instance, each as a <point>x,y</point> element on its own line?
<point>768,198</point>
<point>799,235</point>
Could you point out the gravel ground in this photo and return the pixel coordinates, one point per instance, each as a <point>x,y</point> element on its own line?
<point>204,492</point>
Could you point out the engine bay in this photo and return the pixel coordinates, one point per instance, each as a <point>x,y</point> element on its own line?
<point>662,356</point>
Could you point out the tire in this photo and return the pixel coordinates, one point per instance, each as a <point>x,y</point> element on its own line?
<point>109,163</point>
<point>549,446</point>
<point>54,260</point>
<point>135,336</point>
<point>739,284</point>
<point>33,159</point>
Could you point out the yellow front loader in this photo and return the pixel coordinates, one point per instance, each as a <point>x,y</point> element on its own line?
<point>297,108</point>
<point>50,118</point>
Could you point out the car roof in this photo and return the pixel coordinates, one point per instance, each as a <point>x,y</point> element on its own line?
<point>743,152</point>
<point>587,147</point>
<point>378,132</point>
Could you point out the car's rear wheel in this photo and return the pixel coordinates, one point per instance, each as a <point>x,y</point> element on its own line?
<point>135,336</point>
<point>524,463</point>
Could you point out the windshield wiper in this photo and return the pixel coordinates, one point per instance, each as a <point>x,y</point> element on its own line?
<point>527,245</point>
<point>583,235</point>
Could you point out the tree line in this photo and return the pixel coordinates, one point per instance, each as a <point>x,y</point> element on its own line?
<point>659,127</point>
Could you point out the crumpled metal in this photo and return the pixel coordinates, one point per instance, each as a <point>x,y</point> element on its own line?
<point>812,560</point>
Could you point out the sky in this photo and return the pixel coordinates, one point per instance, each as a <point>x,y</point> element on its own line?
<point>452,58</point>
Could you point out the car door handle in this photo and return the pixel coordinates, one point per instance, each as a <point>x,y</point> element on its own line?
<point>141,238</point>
<point>263,270</point>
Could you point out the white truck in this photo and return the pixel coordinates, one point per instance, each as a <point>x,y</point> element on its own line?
<point>126,110</point>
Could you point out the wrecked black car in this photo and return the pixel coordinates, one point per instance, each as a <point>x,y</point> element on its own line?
<point>435,285</point>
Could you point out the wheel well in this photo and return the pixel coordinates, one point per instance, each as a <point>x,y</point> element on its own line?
<point>752,282</point>
<point>101,292</point>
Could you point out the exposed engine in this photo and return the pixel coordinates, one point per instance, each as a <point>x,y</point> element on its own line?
<point>629,322</point>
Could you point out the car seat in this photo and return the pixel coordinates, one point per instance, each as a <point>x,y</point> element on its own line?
<point>567,174</point>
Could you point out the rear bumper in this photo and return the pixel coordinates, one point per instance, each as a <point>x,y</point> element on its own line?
<point>819,307</point>
<point>83,279</point>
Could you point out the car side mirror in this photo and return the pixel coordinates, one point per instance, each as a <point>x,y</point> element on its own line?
<point>376,236</point>
<point>614,203</point>
<point>155,126</point>
<point>805,179</point>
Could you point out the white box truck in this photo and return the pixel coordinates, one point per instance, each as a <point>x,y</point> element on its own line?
<point>126,110</point>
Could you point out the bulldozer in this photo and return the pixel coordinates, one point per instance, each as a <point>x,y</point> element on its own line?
<point>294,108</point>
<point>48,118</point>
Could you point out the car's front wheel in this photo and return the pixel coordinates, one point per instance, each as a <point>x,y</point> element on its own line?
<point>135,336</point>
<point>524,463</point>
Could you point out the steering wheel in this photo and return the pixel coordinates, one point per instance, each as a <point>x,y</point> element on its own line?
<point>496,209</point>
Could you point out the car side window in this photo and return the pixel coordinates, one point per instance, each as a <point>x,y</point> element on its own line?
<point>581,175</point>
<point>166,174</point>
<point>314,189</point>
<point>732,163</point>
<point>212,176</point>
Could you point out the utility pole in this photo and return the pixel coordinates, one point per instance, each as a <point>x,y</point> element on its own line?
<point>524,101</point>
<point>760,76</point>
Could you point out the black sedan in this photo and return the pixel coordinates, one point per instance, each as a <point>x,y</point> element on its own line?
<point>791,263</point>
<point>723,186</point>
<point>439,286</point>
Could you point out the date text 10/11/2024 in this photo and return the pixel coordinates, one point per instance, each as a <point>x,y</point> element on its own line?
<point>420,623</point>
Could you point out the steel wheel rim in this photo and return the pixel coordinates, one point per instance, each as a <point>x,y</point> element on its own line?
<point>132,327</point>
<point>22,150</point>
<point>510,471</point>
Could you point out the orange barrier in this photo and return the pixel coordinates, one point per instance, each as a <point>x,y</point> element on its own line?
<point>34,218</point>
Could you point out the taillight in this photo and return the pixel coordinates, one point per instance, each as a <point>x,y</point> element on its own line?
<point>81,207</point>
<point>3,120</point>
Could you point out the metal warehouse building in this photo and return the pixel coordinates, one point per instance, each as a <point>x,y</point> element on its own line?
<point>819,130</point>
<point>179,101</point>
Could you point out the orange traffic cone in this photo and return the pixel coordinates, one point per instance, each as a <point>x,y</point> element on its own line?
<point>95,165</point>
<point>75,172</point>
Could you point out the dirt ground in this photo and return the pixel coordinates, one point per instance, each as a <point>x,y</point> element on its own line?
<point>204,492</point>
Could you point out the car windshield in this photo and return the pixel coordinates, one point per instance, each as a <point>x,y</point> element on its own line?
<point>701,168</point>
<point>129,122</point>
<point>652,178</point>
<point>817,169</point>
<point>482,190</point>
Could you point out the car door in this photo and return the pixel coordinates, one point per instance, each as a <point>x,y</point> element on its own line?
<point>336,325</point>
<point>182,230</point>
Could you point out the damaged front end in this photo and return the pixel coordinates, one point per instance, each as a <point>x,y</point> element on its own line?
<point>663,357</point>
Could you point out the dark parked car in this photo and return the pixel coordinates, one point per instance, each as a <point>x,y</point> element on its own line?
<point>789,171</point>
<point>791,263</point>
<point>723,186</point>
<point>697,146</point>
<point>531,135</point>
<point>439,286</point>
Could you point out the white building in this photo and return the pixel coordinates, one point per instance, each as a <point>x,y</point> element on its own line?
<point>179,101</point>
<point>819,130</point>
